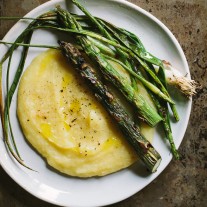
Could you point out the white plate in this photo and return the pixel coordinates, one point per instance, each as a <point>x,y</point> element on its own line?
<point>55,188</point>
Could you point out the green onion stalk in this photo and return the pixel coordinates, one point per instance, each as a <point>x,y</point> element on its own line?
<point>173,76</point>
<point>24,38</point>
<point>111,74</point>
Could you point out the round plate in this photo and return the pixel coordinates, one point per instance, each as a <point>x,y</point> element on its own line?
<point>62,190</point>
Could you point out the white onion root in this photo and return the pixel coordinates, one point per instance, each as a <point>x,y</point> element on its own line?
<point>173,76</point>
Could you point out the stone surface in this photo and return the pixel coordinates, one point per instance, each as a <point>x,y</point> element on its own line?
<point>182,183</point>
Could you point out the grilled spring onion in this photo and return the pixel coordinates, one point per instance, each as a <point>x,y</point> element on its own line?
<point>29,45</point>
<point>146,112</point>
<point>143,148</point>
<point>173,76</point>
<point>87,45</point>
<point>95,54</point>
<point>23,38</point>
<point>137,54</point>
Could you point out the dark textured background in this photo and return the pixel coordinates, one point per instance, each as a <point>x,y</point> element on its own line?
<point>184,182</point>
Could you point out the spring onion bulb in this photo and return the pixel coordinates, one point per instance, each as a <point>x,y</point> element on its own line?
<point>175,78</point>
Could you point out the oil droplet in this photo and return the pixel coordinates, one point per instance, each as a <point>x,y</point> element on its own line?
<point>46,130</point>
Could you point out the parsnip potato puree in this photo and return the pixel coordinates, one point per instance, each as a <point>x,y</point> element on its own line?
<point>63,121</point>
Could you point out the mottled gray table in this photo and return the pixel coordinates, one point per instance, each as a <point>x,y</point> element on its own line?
<point>184,182</point>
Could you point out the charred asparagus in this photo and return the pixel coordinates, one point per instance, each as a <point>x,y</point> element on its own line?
<point>143,148</point>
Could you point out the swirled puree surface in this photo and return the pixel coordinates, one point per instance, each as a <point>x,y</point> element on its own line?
<point>63,121</point>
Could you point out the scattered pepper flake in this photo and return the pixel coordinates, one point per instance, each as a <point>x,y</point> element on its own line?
<point>74,120</point>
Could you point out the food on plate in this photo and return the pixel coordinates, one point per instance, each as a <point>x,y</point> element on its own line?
<point>63,121</point>
<point>120,60</point>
